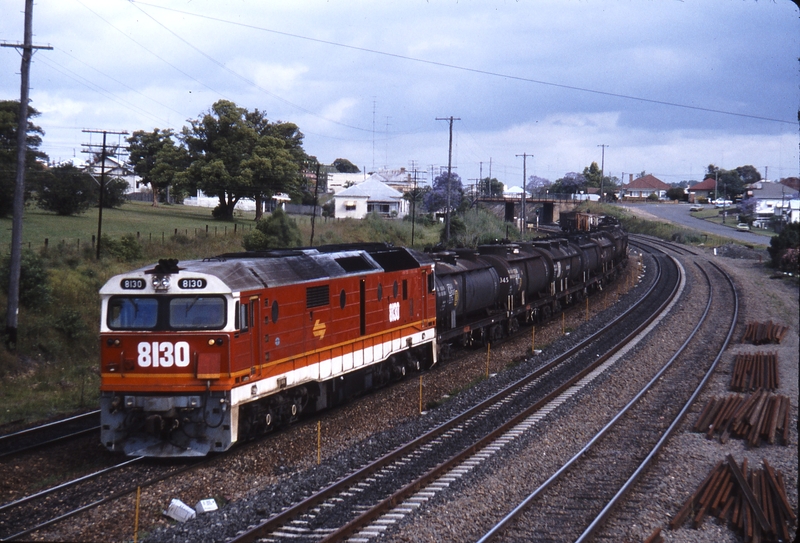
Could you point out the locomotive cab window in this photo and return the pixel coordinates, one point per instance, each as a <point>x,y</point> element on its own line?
<point>197,313</point>
<point>132,313</point>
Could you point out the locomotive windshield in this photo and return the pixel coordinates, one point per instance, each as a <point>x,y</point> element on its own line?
<point>166,313</point>
<point>198,312</point>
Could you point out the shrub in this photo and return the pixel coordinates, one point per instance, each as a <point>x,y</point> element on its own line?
<point>34,283</point>
<point>125,249</point>
<point>276,232</point>
<point>66,190</point>
<point>785,243</point>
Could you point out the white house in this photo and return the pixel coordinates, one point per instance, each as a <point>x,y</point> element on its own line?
<point>771,199</point>
<point>115,168</point>
<point>368,197</point>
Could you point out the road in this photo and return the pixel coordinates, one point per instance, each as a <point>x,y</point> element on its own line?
<point>680,214</point>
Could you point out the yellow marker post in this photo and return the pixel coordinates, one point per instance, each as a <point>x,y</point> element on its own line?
<point>420,394</point>
<point>319,442</point>
<point>136,515</point>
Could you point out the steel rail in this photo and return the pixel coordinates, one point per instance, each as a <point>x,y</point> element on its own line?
<point>7,440</point>
<point>594,525</point>
<point>116,495</point>
<point>280,519</point>
<point>62,486</point>
<point>601,517</point>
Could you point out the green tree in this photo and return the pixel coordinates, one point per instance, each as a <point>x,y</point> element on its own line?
<point>156,158</point>
<point>490,187</point>
<point>235,154</point>
<point>66,190</point>
<point>278,231</point>
<point>34,159</point>
<point>343,165</point>
<point>592,175</point>
<point>114,195</point>
<point>785,248</point>
<point>676,193</point>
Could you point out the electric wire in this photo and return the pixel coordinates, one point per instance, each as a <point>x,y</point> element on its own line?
<point>468,69</point>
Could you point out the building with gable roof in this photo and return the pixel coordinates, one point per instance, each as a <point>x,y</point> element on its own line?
<point>370,196</point>
<point>772,200</point>
<point>707,188</point>
<point>643,187</point>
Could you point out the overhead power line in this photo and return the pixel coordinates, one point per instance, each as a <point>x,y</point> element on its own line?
<point>472,70</point>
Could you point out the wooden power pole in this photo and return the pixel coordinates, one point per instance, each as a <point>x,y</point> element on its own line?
<point>27,47</point>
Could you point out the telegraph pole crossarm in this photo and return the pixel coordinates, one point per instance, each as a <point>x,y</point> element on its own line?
<point>102,179</point>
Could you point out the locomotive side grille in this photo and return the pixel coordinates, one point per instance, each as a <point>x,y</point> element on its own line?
<point>317,296</point>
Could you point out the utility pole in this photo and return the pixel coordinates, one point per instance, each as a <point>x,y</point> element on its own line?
<point>103,156</point>
<point>602,168</point>
<point>414,197</point>
<point>314,213</point>
<point>449,171</point>
<point>524,180</point>
<point>27,47</point>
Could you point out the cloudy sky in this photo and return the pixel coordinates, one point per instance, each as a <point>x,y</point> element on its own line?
<point>667,86</point>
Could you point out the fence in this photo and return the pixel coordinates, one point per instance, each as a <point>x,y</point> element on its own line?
<point>224,230</point>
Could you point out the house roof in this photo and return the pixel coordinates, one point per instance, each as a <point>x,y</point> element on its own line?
<point>648,182</point>
<point>371,189</point>
<point>770,191</point>
<point>706,184</point>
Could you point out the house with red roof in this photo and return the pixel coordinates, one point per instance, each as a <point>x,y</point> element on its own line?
<point>707,188</point>
<point>643,187</point>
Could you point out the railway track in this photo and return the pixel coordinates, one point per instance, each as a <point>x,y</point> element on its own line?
<point>50,433</point>
<point>574,502</point>
<point>366,502</point>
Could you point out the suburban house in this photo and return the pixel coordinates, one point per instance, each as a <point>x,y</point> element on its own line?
<point>707,188</point>
<point>368,197</point>
<point>772,199</point>
<point>115,168</point>
<point>643,187</point>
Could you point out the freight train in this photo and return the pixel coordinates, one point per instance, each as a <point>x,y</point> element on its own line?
<point>198,355</point>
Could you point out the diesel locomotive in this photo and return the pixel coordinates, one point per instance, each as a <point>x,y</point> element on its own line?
<point>198,355</point>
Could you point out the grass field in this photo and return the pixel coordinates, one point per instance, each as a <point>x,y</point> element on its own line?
<point>150,223</point>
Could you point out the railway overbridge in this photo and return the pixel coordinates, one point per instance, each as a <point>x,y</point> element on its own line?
<point>547,208</point>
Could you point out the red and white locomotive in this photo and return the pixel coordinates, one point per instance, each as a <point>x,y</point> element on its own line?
<point>197,355</point>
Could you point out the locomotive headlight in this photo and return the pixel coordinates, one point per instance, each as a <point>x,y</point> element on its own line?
<point>160,282</point>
